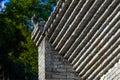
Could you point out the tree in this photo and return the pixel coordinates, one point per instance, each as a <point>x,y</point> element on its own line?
<point>18,53</point>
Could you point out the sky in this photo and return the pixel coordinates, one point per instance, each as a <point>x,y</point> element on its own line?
<point>2,3</point>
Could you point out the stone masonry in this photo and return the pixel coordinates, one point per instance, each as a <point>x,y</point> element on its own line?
<point>52,66</point>
<point>81,37</point>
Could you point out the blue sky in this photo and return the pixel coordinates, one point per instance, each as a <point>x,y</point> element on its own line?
<point>2,2</point>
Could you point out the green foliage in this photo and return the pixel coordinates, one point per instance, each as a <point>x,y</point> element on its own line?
<point>18,53</point>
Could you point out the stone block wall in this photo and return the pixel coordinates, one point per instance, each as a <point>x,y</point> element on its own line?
<point>53,66</point>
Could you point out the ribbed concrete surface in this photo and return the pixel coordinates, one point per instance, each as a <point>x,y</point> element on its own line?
<point>113,73</point>
<point>87,34</point>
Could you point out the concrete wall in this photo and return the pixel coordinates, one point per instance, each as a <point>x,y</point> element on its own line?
<point>113,73</point>
<point>41,61</point>
<point>52,66</point>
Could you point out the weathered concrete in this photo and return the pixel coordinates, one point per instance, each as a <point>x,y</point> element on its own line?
<point>53,66</point>
<point>113,73</point>
<point>86,33</point>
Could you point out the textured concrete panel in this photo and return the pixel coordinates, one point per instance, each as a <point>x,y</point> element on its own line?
<point>113,73</point>
<point>53,66</point>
